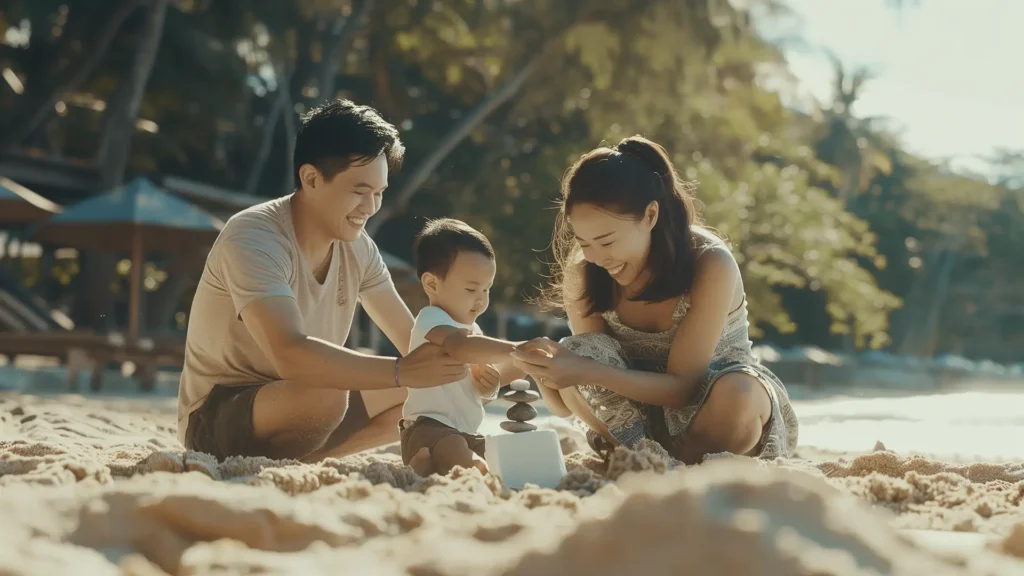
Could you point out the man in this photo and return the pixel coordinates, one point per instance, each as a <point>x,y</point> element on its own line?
<point>265,372</point>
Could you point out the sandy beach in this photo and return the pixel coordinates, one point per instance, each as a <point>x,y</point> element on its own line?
<point>100,485</point>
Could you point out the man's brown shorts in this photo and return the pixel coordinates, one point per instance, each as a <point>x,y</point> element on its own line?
<point>223,427</point>
<point>425,432</point>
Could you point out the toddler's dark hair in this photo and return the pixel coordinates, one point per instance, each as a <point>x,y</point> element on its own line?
<point>440,242</point>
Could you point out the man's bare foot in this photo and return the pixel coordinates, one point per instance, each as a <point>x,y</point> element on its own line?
<point>421,462</point>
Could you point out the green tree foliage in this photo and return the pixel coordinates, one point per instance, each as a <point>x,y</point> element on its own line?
<point>837,229</point>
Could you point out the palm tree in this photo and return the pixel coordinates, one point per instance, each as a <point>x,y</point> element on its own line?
<point>855,145</point>
<point>123,110</point>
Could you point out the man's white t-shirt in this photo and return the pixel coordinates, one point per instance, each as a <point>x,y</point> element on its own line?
<point>456,404</point>
<point>257,256</point>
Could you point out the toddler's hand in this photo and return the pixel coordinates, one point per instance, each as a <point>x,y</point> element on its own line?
<point>486,379</point>
<point>550,363</point>
<point>541,345</point>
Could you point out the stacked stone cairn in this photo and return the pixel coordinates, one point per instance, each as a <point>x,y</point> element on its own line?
<point>521,411</point>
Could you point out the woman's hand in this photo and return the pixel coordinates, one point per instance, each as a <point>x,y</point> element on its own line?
<point>551,364</point>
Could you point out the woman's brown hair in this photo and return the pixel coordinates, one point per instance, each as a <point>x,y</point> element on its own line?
<point>625,179</point>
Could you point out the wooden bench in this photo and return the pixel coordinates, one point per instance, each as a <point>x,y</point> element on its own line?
<point>87,351</point>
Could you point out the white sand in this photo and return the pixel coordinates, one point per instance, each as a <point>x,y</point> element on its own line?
<point>101,486</point>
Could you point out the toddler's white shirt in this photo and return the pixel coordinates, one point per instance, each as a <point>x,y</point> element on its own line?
<point>456,404</point>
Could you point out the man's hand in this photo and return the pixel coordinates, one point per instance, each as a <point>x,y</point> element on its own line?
<point>486,379</point>
<point>428,366</point>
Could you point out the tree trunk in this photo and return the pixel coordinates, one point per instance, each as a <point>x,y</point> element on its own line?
<point>39,100</point>
<point>290,129</point>
<point>385,99</point>
<point>929,331</point>
<point>96,303</point>
<point>93,305</point>
<point>115,142</point>
<point>338,39</point>
<point>925,312</point>
<point>916,303</point>
<point>267,139</point>
<point>419,176</point>
<point>290,91</point>
<point>162,304</point>
<point>302,67</point>
<point>846,188</point>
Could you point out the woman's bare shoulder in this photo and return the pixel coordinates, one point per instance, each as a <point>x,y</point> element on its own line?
<point>705,238</point>
<point>716,265</point>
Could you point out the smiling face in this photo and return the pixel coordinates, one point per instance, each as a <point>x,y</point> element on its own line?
<point>464,291</point>
<point>345,202</point>
<point>618,243</point>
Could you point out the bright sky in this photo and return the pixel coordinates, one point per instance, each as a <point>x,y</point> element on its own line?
<point>950,72</point>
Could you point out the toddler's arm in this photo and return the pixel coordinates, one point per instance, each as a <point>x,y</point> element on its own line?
<point>470,348</point>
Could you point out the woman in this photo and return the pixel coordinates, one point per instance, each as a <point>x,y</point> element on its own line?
<point>660,354</point>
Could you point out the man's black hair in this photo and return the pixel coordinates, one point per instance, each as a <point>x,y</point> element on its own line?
<point>341,133</point>
<point>440,242</point>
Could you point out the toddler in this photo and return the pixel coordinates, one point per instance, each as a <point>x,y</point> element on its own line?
<point>439,425</point>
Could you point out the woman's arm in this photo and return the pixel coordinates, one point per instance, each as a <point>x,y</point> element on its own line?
<point>711,298</point>
<point>579,323</point>
<point>711,302</point>
<point>553,400</point>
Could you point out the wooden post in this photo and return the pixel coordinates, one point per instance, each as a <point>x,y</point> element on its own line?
<point>135,285</point>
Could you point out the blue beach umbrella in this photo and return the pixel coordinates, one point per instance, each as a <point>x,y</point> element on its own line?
<point>138,217</point>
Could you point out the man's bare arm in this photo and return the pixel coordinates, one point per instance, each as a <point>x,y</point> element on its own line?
<point>388,311</point>
<point>276,325</point>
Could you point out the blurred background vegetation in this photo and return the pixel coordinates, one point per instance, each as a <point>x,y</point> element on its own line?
<point>845,240</point>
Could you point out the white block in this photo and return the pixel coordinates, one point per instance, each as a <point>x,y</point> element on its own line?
<point>526,457</point>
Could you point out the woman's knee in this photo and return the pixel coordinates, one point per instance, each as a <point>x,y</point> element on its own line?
<point>735,411</point>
